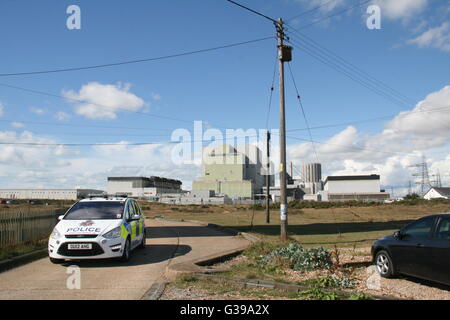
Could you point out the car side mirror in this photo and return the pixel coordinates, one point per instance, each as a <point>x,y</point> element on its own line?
<point>398,235</point>
<point>60,217</point>
<point>135,217</point>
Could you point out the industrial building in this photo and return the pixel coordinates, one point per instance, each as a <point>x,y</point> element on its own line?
<point>358,187</point>
<point>195,197</point>
<point>232,171</point>
<point>143,187</point>
<point>47,194</point>
<point>437,193</point>
<point>311,178</point>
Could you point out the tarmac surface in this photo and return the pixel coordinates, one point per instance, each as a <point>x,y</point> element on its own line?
<point>168,242</point>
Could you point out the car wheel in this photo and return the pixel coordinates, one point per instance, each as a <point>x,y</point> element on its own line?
<point>126,251</point>
<point>56,261</point>
<point>142,244</point>
<point>384,265</point>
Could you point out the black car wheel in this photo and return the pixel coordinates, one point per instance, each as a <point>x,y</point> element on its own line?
<point>142,244</point>
<point>126,252</point>
<point>384,265</point>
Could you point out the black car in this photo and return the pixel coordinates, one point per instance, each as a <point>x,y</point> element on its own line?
<point>421,249</point>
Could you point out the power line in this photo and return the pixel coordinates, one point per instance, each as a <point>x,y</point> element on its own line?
<point>440,109</point>
<point>56,144</point>
<point>81,125</point>
<point>271,91</point>
<point>311,10</point>
<point>133,61</point>
<point>350,66</point>
<point>254,11</point>
<point>325,126</point>
<point>333,15</point>
<point>339,68</point>
<point>303,112</point>
<point>97,104</point>
<point>355,147</point>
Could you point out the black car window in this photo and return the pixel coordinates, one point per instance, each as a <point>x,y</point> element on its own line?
<point>418,230</point>
<point>443,231</point>
<point>137,209</point>
<point>95,210</point>
<point>128,210</point>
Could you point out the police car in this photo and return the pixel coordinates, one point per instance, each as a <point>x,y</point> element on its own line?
<point>97,228</point>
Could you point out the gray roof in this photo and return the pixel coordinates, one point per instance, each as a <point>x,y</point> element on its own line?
<point>359,177</point>
<point>443,191</point>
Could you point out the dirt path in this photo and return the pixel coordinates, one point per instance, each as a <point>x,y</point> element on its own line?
<point>167,242</point>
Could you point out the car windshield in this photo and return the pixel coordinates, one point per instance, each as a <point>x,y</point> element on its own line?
<point>96,210</point>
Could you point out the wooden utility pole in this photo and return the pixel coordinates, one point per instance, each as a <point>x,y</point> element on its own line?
<point>268,179</point>
<point>284,55</point>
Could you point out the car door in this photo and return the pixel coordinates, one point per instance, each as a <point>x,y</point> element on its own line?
<point>141,222</point>
<point>138,223</point>
<point>411,252</point>
<point>133,223</point>
<point>440,264</point>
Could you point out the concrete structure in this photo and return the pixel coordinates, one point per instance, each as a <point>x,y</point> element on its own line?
<point>437,193</point>
<point>311,172</point>
<point>233,171</point>
<point>295,190</point>
<point>143,187</point>
<point>47,194</point>
<point>42,280</point>
<point>312,197</point>
<point>359,188</point>
<point>195,197</point>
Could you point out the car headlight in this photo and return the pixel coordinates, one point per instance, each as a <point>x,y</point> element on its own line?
<point>113,234</point>
<point>55,234</point>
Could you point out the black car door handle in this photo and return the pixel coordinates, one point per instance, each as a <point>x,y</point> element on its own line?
<point>420,245</point>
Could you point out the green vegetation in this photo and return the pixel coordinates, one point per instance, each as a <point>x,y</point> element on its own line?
<point>344,224</point>
<point>222,287</point>
<point>318,235</point>
<point>14,251</point>
<point>298,258</point>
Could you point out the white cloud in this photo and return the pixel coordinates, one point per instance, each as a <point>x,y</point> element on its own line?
<point>104,101</point>
<point>62,116</point>
<point>17,124</point>
<point>425,130</point>
<point>37,111</point>
<point>401,9</point>
<point>438,37</point>
<point>429,117</point>
<point>325,5</point>
<point>156,96</point>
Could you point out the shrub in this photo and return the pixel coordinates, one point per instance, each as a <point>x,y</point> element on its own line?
<point>300,258</point>
<point>318,294</point>
<point>335,282</point>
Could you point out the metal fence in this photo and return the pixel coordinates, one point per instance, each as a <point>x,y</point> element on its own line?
<point>20,225</point>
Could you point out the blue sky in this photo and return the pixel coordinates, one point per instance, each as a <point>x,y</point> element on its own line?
<point>227,88</point>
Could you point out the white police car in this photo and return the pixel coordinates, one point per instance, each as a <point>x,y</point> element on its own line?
<point>97,228</point>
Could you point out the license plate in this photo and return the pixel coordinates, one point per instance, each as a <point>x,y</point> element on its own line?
<point>80,246</point>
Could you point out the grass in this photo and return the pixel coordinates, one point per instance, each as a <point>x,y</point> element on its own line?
<point>344,226</point>
<point>234,290</point>
<point>14,251</point>
<point>338,228</point>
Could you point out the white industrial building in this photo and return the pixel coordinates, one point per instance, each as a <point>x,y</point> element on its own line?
<point>437,193</point>
<point>358,187</point>
<point>195,197</point>
<point>143,187</point>
<point>47,194</point>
